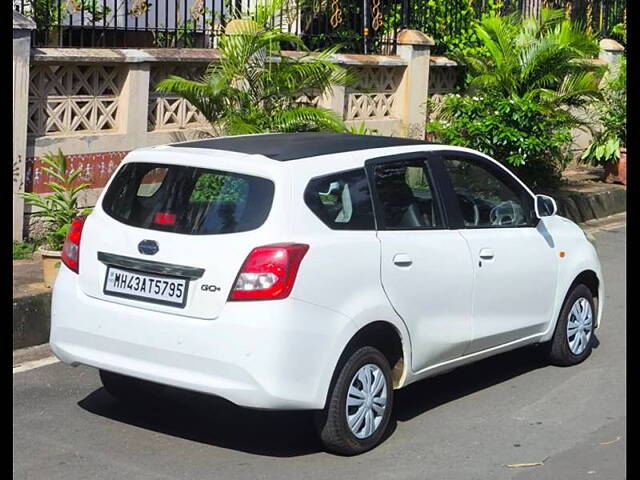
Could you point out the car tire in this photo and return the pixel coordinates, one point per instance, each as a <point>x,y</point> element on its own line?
<point>128,389</point>
<point>577,319</point>
<point>366,363</point>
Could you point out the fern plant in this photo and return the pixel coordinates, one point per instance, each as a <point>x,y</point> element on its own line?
<point>255,88</point>
<point>60,207</point>
<point>545,60</point>
<point>528,83</point>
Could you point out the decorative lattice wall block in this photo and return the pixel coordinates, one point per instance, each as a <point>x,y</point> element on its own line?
<point>170,112</point>
<point>67,99</point>
<point>374,95</point>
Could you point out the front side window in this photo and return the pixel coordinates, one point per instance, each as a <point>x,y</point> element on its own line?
<point>341,200</point>
<point>485,199</point>
<point>189,200</point>
<point>405,195</point>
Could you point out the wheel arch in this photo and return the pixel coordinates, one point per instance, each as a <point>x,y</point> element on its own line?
<point>386,337</point>
<point>587,276</point>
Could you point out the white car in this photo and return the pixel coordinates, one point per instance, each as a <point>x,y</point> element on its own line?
<point>318,272</point>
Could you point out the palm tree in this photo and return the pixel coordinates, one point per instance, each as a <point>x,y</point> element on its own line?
<point>254,88</point>
<point>544,59</point>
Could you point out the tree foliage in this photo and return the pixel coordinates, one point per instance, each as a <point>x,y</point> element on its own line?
<point>255,88</point>
<point>546,60</point>
<point>611,116</point>
<point>527,85</point>
<point>517,131</point>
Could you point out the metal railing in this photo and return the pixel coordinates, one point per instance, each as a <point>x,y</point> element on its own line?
<point>360,26</point>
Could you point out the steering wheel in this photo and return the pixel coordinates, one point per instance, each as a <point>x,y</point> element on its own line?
<point>467,203</point>
<point>506,213</point>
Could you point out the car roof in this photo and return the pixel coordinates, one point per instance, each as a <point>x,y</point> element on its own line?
<point>294,146</point>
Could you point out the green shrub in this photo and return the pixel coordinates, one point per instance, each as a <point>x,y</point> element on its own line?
<point>24,250</point>
<point>611,115</point>
<point>59,207</point>
<point>526,81</point>
<point>518,132</point>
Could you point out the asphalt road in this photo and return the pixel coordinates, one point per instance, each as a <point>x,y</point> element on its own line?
<point>469,424</point>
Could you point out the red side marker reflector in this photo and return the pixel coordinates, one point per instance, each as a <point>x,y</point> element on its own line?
<point>163,218</point>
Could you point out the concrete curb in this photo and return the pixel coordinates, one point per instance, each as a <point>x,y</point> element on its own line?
<point>583,206</point>
<point>31,314</point>
<point>31,320</point>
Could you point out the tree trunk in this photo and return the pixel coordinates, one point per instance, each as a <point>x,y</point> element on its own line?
<point>531,8</point>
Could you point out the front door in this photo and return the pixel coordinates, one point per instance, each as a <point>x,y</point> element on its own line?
<point>514,259</point>
<point>426,268</point>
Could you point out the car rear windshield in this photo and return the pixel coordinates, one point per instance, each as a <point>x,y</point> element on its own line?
<point>188,200</point>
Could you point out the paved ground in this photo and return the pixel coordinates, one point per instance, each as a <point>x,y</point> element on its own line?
<point>27,277</point>
<point>469,424</point>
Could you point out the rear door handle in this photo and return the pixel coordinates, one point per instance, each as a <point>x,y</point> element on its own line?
<point>402,260</point>
<point>486,254</point>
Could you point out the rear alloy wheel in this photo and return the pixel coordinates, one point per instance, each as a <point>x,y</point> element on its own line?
<point>359,407</point>
<point>573,339</point>
<point>127,388</point>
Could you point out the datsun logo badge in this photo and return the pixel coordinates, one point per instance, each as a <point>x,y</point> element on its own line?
<point>148,247</point>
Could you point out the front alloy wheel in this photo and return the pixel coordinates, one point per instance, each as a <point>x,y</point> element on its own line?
<point>573,339</point>
<point>579,326</point>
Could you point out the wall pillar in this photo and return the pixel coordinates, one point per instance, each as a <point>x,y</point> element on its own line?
<point>415,48</point>
<point>611,52</point>
<point>133,104</point>
<point>22,27</point>
<point>333,99</point>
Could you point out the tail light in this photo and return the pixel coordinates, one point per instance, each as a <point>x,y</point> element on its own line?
<point>269,272</point>
<point>71,248</point>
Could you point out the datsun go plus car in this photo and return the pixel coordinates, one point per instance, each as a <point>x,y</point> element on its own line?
<point>317,272</point>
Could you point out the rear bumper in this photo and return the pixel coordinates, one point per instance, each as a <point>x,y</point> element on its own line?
<point>271,355</point>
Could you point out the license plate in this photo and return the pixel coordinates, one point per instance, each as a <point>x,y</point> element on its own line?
<point>146,287</point>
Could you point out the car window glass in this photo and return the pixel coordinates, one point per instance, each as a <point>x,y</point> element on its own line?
<point>187,200</point>
<point>486,200</point>
<point>406,196</point>
<point>342,200</point>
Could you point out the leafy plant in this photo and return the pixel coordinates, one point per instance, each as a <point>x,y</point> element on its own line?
<point>50,14</point>
<point>451,23</point>
<point>524,90</point>
<point>545,60</point>
<point>46,14</point>
<point>362,129</point>
<point>24,250</point>
<point>611,113</point>
<point>96,10</point>
<point>184,34</point>
<point>619,32</point>
<point>528,138</point>
<point>60,207</point>
<point>255,88</point>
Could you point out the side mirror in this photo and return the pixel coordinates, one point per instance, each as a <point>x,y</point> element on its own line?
<point>545,206</point>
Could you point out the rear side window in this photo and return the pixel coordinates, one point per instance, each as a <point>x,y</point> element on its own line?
<point>341,200</point>
<point>188,200</point>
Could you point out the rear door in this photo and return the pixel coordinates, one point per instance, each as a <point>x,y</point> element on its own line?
<point>172,238</point>
<point>426,269</point>
<point>514,255</point>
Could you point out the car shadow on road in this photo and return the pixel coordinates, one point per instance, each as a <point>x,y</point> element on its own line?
<point>214,421</point>
<point>425,395</point>
<point>217,422</point>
